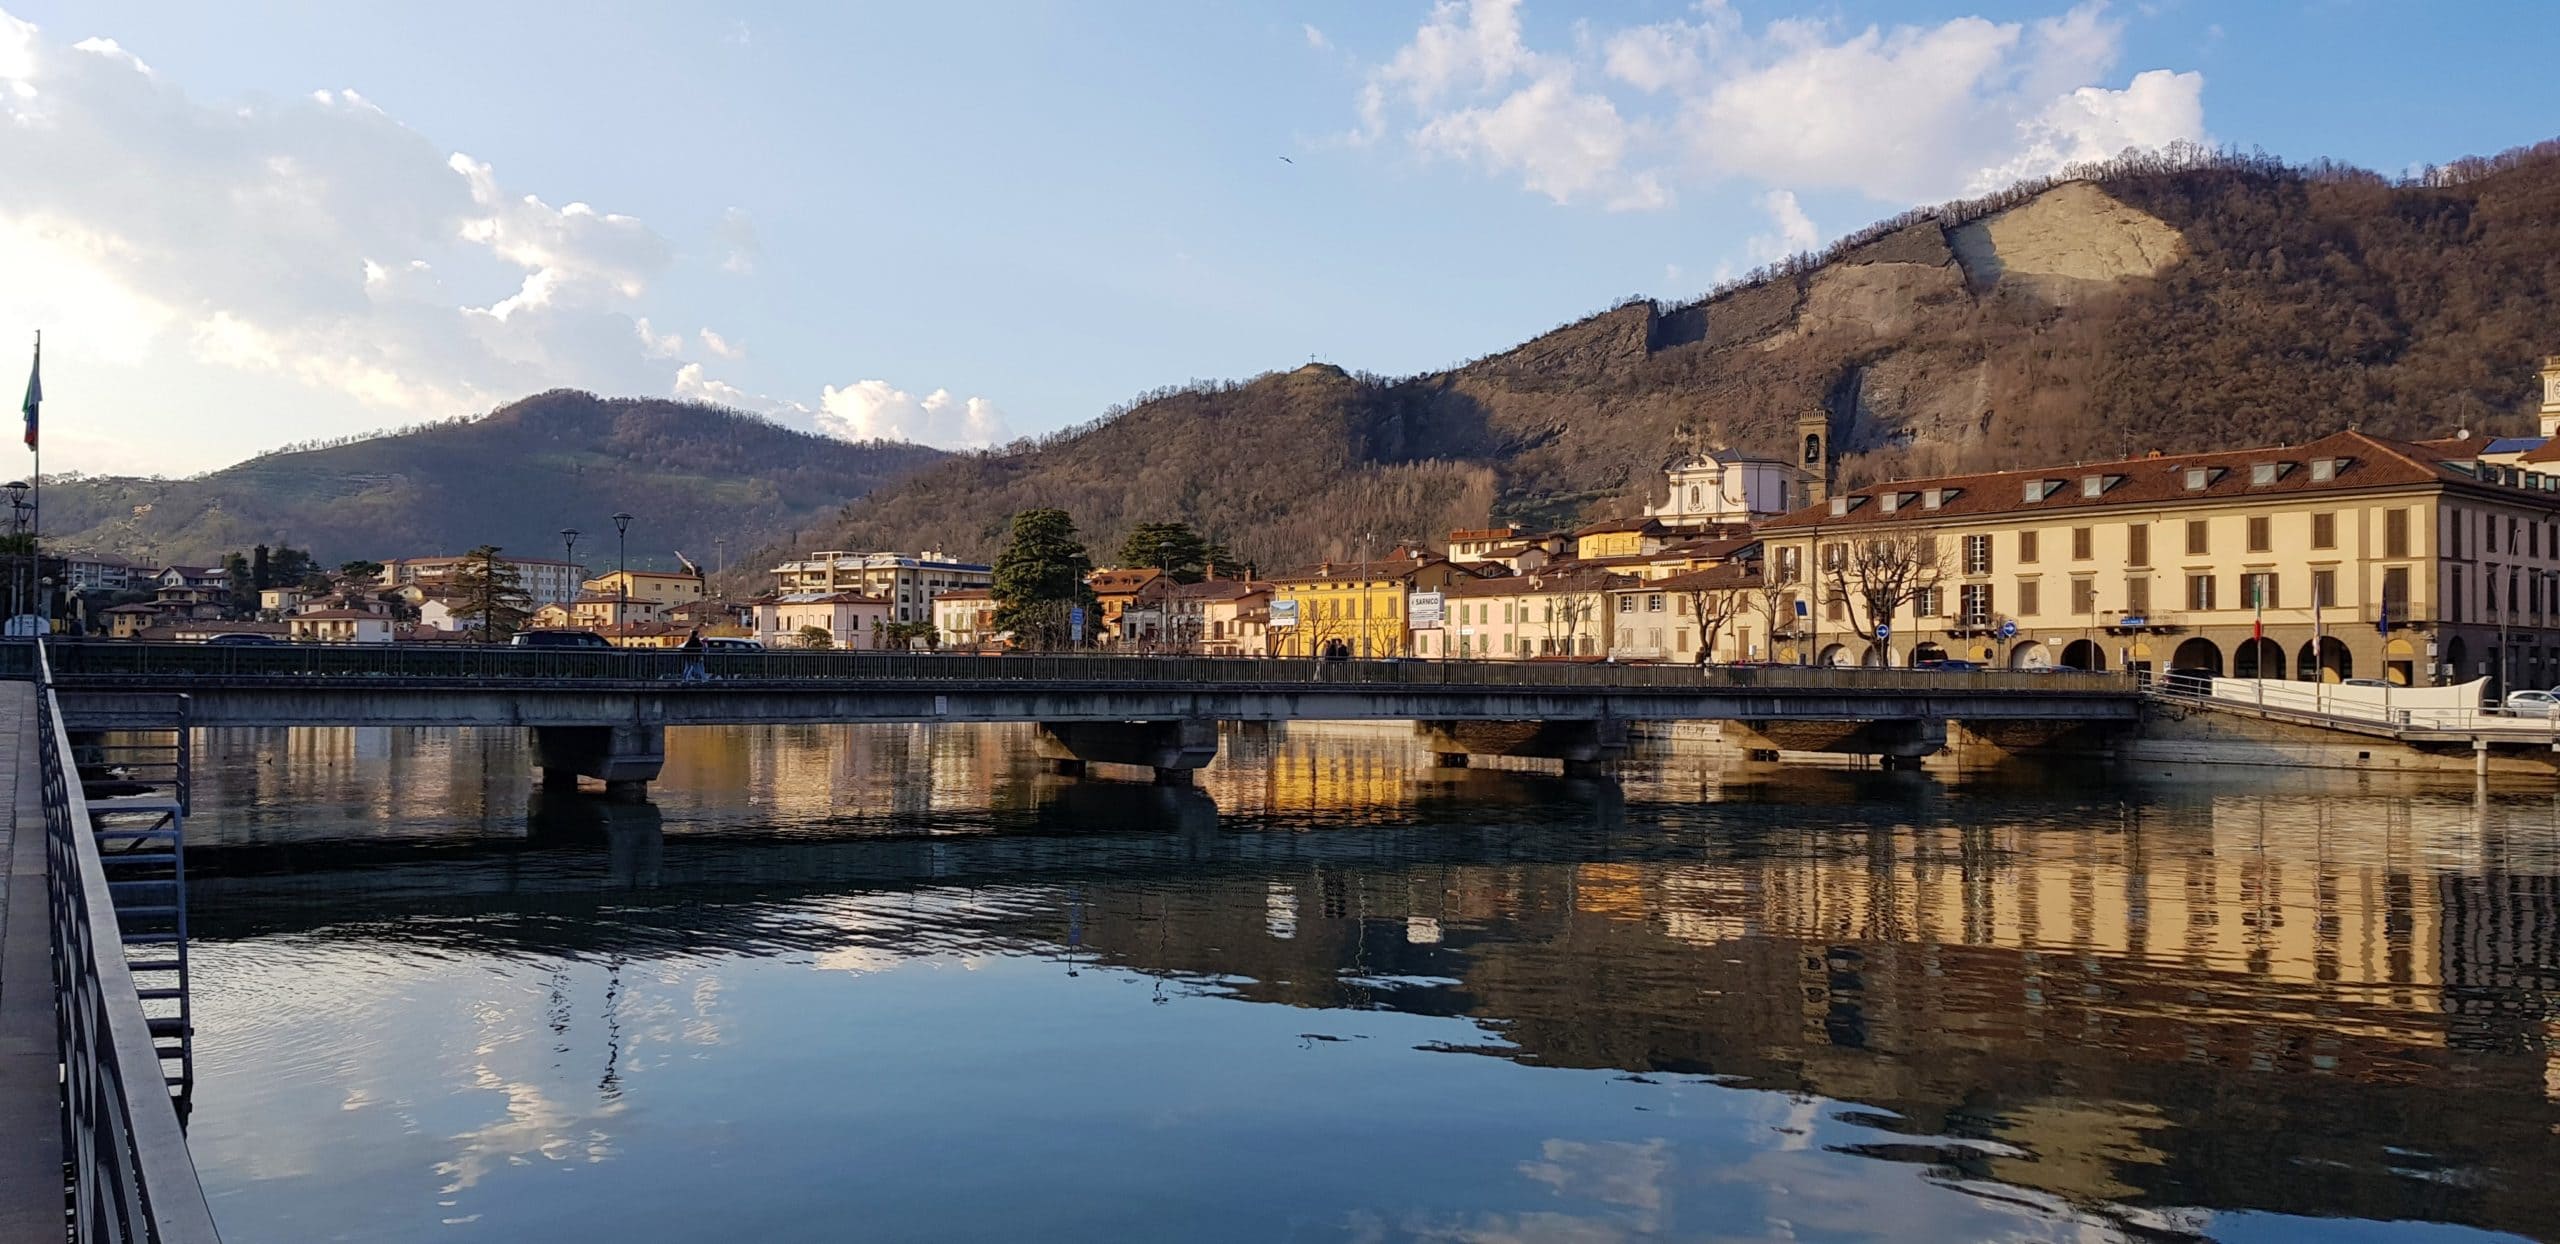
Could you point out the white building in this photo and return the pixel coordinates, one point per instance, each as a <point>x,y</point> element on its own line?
<point>545,580</point>
<point>1723,487</point>
<point>908,581</point>
<point>850,619</point>
<point>339,626</point>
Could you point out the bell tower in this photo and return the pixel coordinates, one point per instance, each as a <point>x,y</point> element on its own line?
<point>1813,454</point>
<point>2550,396</point>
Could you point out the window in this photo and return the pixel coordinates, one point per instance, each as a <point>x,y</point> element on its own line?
<point>2453,525</point>
<point>2027,598</point>
<point>2258,590</point>
<point>2395,533</point>
<point>1653,603</point>
<point>1977,554</point>
<point>2454,598</point>
<point>2196,542</point>
<point>2263,473</point>
<point>2080,544</point>
<point>1835,555</point>
<point>2324,530</point>
<point>2137,595</point>
<point>2489,535</point>
<point>2324,588</point>
<point>2199,591</point>
<point>2026,548</point>
<point>2084,596</point>
<point>1789,565</point>
<point>2197,478</point>
<point>1680,640</point>
<point>2261,533</point>
<point>1835,608</point>
<point>2511,535</point>
<point>1974,599</point>
<point>1627,603</point>
<point>2395,593</point>
<point>1510,642</point>
<point>2137,545</point>
<point>2533,539</point>
<point>1924,602</point>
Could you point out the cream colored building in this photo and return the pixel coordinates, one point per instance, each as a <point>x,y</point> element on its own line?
<point>2350,556</point>
<point>964,617</point>
<point>908,581</point>
<point>1523,617</point>
<point>1219,617</point>
<point>850,619</point>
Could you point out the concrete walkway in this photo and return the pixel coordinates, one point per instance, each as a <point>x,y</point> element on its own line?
<point>30,1081</point>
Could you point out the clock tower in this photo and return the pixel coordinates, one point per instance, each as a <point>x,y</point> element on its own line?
<point>2550,396</point>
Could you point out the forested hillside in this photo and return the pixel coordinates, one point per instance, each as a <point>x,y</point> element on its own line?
<point>2176,302</point>
<point>689,474</point>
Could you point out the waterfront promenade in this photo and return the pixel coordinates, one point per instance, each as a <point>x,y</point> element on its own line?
<point>30,1078</point>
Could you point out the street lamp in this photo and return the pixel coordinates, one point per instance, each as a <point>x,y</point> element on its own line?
<point>622,565</point>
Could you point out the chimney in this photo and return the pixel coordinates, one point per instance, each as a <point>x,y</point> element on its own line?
<point>2550,396</point>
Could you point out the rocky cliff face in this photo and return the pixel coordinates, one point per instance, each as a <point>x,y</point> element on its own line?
<point>2155,307</point>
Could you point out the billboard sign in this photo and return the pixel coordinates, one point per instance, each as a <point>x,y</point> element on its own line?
<point>1427,610</point>
<point>1284,613</point>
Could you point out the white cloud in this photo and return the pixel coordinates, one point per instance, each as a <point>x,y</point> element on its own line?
<point>1316,39</point>
<point>877,410</point>
<point>1904,114</point>
<point>737,233</point>
<point>313,245</point>
<point>1794,230</point>
<point>722,346</point>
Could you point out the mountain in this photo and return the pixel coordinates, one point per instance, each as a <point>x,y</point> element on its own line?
<point>689,474</point>
<point>2178,301</point>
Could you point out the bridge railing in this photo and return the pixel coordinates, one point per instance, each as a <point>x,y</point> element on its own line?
<point>132,1178</point>
<point>456,663</point>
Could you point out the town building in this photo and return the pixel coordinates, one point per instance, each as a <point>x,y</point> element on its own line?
<point>544,580</point>
<point>339,626</point>
<point>1523,617</point>
<point>281,600</point>
<point>1218,617</point>
<point>1719,611</point>
<point>713,617</point>
<point>651,634</point>
<point>654,591</point>
<point>2350,556</point>
<point>103,572</point>
<point>1115,593</point>
<point>1724,487</point>
<point>192,592</point>
<point>1615,538</point>
<point>850,620</point>
<point>1354,608</point>
<point>909,581</point>
<point>964,618</point>
<point>128,621</point>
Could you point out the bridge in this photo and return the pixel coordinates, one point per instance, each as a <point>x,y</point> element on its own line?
<point>604,714</point>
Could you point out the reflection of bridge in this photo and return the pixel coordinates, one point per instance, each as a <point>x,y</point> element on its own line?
<point>604,714</point>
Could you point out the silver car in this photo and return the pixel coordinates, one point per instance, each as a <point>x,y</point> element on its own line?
<point>2531,703</point>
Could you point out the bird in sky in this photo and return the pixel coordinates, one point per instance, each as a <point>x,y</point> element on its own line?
<point>1287,160</point>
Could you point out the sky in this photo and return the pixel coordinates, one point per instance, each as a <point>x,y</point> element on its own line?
<point>247,225</point>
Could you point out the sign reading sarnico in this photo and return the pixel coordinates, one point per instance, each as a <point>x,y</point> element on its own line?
<point>1428,609</point>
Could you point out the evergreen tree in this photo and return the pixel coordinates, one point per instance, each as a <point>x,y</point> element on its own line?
<point>1040,577</point>
<point>1173,548</point>
<point>258,569</point>
<point>492,592</point>
<point>244,594</point>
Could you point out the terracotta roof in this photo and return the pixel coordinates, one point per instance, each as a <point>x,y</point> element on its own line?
<point>1376,568</point>
<point>1612,526</point>
<point>1542,584</point>
<point>1484,533</point>
<point>832,598</point>
<point>1725,577</point>
<point>1713,548</point>
<point>2366,462</point>
<point>341,614</point>
<point>1217,589</point>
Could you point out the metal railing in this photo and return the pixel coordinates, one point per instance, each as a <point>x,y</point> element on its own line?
<point>131,1177</point>
<point>110,663</point>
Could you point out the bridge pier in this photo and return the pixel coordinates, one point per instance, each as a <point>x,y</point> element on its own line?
<point>1173,748</point>
<point>1587,747</point>
<point>626,758</point>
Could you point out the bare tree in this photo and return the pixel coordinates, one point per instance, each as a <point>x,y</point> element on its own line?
<point>1716,606</point>
<point>1776,599</point>
<point>1881,574</point>
<point>1569,611</point>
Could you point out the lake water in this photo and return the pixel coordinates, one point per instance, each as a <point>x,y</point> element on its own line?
<point>898,983</point>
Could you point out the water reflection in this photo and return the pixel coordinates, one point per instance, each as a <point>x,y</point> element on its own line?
<point>904,977</point>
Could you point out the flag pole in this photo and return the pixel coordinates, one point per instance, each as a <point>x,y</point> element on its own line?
<point>35,512</point>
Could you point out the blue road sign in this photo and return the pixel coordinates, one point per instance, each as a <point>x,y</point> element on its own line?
<point>2009,629</point>
<point>1883,632</point>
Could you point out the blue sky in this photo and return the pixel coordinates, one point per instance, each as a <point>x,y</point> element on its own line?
<point>961,223</point>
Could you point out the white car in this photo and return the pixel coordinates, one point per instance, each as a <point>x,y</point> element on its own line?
<point>2532,704</point>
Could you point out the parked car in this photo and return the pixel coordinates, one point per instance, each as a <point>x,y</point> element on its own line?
<point>559,639</point>
<point>1950,665</point>
<point>2532,703</point>
<point>240,638</point>
<point>729,643</point>
<point>2364,682</point>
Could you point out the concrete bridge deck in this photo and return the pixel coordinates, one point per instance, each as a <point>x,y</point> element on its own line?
<point>602,714</point>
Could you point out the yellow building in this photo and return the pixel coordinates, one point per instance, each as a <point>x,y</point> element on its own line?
<point>1353,608</point>
<point>2350,556</point>
<point>1622,537</point>
<point>659,589</point>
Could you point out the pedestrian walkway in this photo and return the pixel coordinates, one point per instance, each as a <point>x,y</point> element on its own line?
<point>30,1081</point>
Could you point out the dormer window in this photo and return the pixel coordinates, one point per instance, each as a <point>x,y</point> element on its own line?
<point>1839,507</point>
<point>2039,489</point>
<point>2197,478</point>
<point>2324,469</point>
<point>1890,502</point>
<point>2264,473</point>
<point>2093,485</point>
<point>1933,498</point>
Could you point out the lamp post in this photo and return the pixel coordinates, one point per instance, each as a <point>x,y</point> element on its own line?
<point>17,490</point>
<point>622,565</point>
